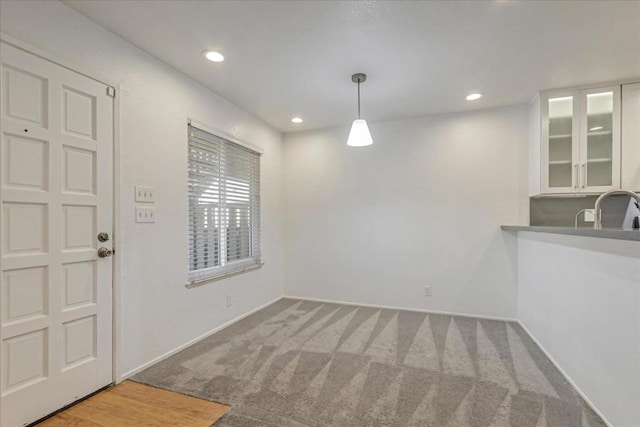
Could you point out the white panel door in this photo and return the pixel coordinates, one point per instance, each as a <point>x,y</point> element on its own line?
<point>56,196</point>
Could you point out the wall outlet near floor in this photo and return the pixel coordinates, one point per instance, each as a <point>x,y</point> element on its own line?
<point>427,291</point>
<point>589,216</point>
<point>229,304</point>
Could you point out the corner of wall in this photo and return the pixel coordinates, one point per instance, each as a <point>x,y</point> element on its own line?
<point>564,374</point>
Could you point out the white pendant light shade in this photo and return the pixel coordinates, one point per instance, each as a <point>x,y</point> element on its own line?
<point>359,136</point>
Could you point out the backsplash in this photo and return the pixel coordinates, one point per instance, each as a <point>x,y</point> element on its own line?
<point>561,211</point>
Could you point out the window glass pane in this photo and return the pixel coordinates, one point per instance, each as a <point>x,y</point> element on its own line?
<point>204,199</point>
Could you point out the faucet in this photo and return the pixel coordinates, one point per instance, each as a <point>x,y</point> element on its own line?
<point>597,223</point>
<point>575,223</point>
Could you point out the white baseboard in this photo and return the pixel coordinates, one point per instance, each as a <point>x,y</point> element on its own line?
<point>389,307</point>
<point>565,375</point>
<point>170,353</point>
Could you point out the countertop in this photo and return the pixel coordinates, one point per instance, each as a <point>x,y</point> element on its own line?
<point>606,233</point>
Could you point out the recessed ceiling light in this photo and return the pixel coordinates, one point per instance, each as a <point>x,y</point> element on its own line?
<point>213,56</point>
<point>297,120</point>
<point>474,96</point>
<point>596,128</point>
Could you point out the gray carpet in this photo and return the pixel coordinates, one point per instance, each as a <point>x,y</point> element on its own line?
<point>301,363</point>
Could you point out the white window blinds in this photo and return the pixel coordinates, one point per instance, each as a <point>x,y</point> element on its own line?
<point>224,206</point>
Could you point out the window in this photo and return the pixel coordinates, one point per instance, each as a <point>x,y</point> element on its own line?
<point>224,206</point>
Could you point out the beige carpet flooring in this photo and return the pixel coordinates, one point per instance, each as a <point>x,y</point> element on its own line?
<point>302,363</point>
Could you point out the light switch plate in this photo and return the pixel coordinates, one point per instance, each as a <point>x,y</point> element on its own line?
<point>145,194</point>
<point>145,215</point>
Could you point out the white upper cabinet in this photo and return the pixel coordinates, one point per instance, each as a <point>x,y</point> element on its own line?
<point>581,141</point>
<point>575,141</point>
<point>631,136</point>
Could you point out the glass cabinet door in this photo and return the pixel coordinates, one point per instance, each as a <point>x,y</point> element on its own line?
<point>561,144</point>
<point>600,142</point>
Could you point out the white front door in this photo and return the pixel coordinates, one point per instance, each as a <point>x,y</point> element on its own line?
<point>56,172</point>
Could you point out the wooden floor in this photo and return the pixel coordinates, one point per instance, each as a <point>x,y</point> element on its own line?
<point>132,404</point>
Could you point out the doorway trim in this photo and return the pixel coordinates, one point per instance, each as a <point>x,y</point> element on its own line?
<point>117,191</point>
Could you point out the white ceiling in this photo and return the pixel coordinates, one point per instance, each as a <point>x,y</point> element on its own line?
<point>290,58</point>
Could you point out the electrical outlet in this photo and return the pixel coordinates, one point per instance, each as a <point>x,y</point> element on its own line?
<point>145,194</point>
<point>229,304</point>
<point>427,291</point>
<point>145,215</point>
<point>589,215</point>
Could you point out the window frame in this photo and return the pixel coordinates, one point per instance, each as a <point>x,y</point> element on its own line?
<point>208,274</point>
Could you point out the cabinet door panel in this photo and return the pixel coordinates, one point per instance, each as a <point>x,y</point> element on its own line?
<point>600,139</point>
<point>560,144</point>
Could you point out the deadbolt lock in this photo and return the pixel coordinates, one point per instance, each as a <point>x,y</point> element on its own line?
<point>104,252</point>
<point>103,237</point>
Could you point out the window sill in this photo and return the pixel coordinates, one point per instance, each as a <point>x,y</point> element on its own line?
<point>204,281</point>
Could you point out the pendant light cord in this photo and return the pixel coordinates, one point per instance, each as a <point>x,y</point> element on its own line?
<point>358,99</point>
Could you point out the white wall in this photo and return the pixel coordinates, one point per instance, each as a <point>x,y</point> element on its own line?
<point>158,313</point>
<point>422,206</point>
<point>579,297</point>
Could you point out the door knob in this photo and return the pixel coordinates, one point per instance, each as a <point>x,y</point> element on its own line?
<point>103,237</point>
<point>104,252</point>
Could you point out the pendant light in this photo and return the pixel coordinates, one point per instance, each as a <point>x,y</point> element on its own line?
<point>359,136</point>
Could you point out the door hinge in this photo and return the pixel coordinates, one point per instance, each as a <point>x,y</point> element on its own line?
<point>111,91</point>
